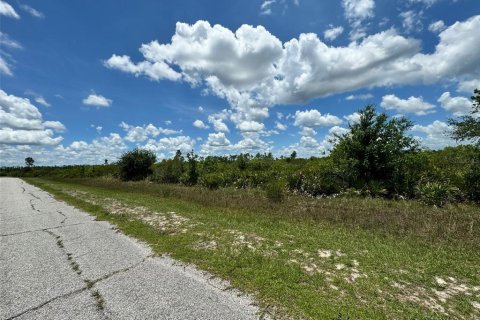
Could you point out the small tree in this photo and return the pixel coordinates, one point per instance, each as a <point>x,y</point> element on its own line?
<point>468,127</point>
<point>293,156</point>
<point>29,162</point>
<point>136,164</point>
<point>192,172</point>
<point>373,152</point>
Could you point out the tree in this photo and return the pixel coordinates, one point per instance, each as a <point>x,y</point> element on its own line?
<point>136,164</point>
<point>293,156</point>
<point>373,152</point>
<point>192,172</point>
<point>468,127</point>
<point>29,162</point>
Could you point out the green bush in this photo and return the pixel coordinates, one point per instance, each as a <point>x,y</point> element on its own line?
<point>136,164</point>
<point>437,193</point>
<point>212,181</point>
<point>472,180</point>
<point>275,191</point>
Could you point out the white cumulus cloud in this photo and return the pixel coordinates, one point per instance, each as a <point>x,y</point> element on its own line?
<point>97,101</point>
<point>200,124</point>
<point>313,118</point>
<point>333,33</point>
<point>458,106</point>
<point>415,105</point>
<point>437,26</point>
<point>22,123</point>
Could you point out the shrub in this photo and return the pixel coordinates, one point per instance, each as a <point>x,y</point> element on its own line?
<point>212,181</point>
<point>437,193</point>
<point>472,180</point>
<point>275,191</point>
<point>136,164</point>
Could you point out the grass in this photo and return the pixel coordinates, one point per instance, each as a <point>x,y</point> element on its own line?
<point>304,258</point>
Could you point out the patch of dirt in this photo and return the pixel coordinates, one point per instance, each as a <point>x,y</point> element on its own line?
<point>248,240</point>
<point>437,298</point>
<point>170,222</point>
<point>206,245</point>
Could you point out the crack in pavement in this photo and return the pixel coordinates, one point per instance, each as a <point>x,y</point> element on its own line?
<point>33,206</point>
<point>99,301</point>
<point>43,229</point>
<point>126,269</point>
<point>64,216</point>
<point>47,302</point>
<point>34,196</point>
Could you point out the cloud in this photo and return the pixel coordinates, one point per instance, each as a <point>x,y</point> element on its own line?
<point>308,132</point>
<point>8,42</point>
<point>21,123</point>
<point>7,10</point>
<point>217,120</point>
<point>5,67</point>
<point>266,7</point>
<point>35,13</point>
<point>309,146</point>
<point>415,105</point>
<point>250,126</point>
<point>280,126</point>
<point>365,96</point>
<point>437,135</point>
<point>427,3</point>
<point>313,118</point>
<point>253,70</point>
<point>356,11</point>
<point>108,147</point>
<point>97,101</point>
<point>28,137</point>
<point>437,26</point>
<point>158,70</point>
<point>217,140</point>
<point>37,98</point>
<point>57,126</point>
<point>41,100</point>
<point>353,118</point>
<point>171,144</point>
<point>458,106</point>
<point>469,86</point>
<point>200,124</point>
<point>142,133</point>
<point>333,33</point>
<point>412,21</point>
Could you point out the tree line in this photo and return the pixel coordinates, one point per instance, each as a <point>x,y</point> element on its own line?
<point>376,157</point>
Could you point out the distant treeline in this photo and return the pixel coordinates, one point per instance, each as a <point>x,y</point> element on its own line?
<point>436,176</point>
<point>376,157</point>
<point>72,171</point>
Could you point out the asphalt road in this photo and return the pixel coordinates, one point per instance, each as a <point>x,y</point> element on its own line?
<point>57,262</point>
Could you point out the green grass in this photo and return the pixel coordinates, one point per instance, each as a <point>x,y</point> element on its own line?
<point>299,257</point>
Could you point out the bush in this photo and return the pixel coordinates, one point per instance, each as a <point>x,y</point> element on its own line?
<point>437,193</point>
<point>472,180</point>
<point>275,191</point>
<point>212,181</point>
<point>136,164</point>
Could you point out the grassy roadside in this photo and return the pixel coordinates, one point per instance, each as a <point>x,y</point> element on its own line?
<point>306,266</point>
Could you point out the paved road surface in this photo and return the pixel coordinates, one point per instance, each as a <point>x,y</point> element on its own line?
<point>57,262</point>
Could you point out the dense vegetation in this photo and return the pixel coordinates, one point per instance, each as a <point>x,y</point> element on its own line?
<point>374,158</point>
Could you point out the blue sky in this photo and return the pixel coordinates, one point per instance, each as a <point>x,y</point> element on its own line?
<point>82,81</point>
